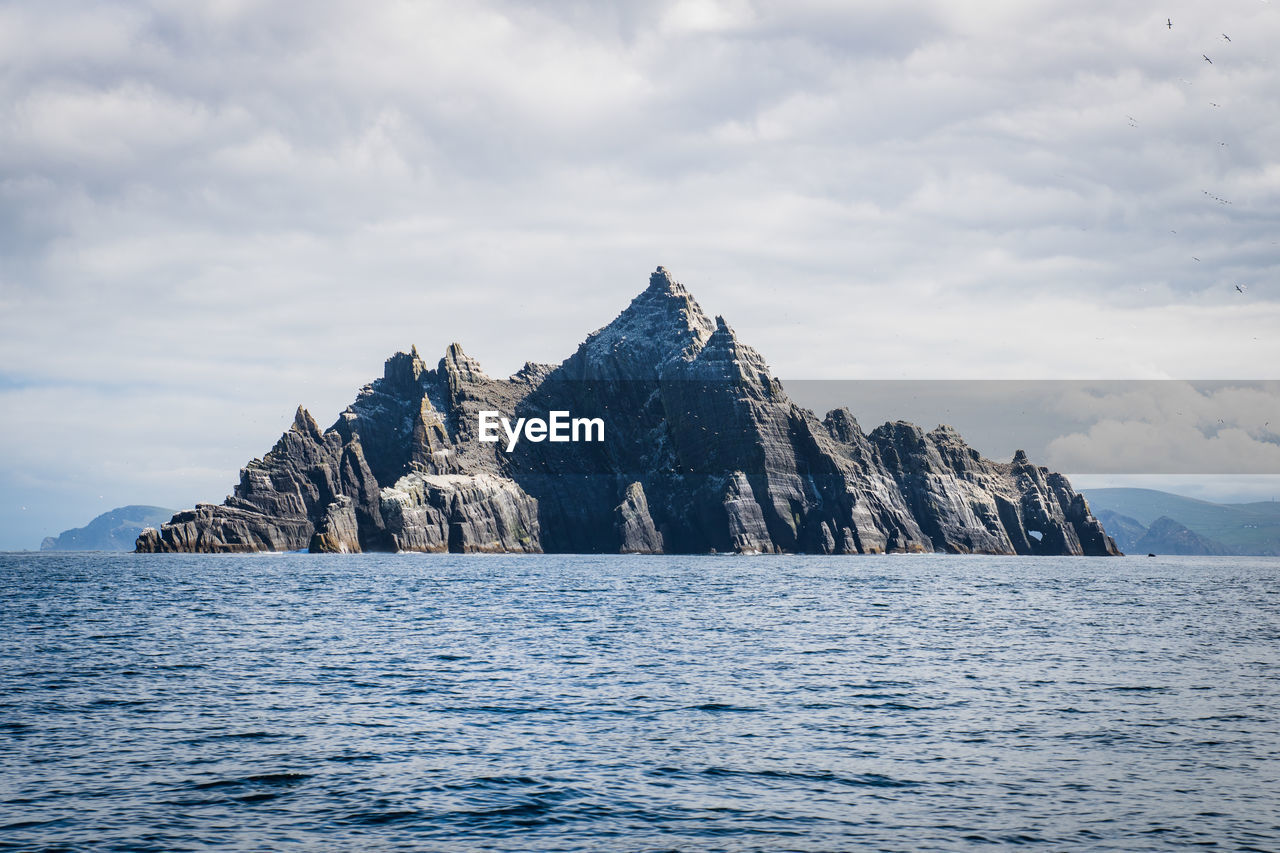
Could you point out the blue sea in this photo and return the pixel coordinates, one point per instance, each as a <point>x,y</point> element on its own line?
<point>449,703</point>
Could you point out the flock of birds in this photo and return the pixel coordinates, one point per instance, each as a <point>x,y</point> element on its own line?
<point>1240,288</point>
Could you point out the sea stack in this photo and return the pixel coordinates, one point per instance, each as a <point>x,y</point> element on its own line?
<point>702,452</point>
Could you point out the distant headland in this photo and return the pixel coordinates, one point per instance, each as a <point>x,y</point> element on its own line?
<point>114,530</point>
<point>699,451</point>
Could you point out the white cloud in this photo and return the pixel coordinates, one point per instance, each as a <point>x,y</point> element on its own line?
<point>1171,428</point>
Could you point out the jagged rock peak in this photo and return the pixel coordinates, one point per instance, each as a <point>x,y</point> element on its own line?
<point>722,462</point>
<point>842,425</point>
<point>664,301</point>
<point>304,423</point>
<point>458,363</point>
<point>403,370</point>
<point>945,435</point>
<point>899,432</point>
<point>662,280</point>
<point>532,372</point>
<point>661,325</point>
<point>727,358</point>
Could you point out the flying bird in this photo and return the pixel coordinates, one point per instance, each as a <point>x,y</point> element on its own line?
<point>1194,258</point>
<point>1227,37</point>
<point>1207,59</point>
<point>1240,288</point>
<point>1171,23</point>
<point>1212,104</point>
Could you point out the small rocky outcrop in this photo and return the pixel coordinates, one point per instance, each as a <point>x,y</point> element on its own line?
<point>704,452</point>
<point>461,513</point>
<point>338,531</point>
<point>635,528</point>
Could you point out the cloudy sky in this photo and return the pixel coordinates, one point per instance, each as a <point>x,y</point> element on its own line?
<point>212,212</point>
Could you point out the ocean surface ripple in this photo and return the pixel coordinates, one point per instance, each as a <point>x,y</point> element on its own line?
<point>438,702</point>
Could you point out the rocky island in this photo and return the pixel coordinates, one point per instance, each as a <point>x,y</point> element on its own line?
<point>702,452</point>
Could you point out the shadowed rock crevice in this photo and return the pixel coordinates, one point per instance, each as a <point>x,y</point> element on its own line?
<point>703,451</point>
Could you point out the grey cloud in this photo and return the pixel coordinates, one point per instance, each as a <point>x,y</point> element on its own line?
<point>259,205</point>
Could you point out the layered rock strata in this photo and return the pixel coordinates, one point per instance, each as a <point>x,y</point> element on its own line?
<point>703,452</point>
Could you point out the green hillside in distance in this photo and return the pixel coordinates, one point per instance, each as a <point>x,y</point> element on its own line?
<point>1252,528</point>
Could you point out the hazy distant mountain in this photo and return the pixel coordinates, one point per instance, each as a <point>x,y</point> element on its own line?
<point>704,452</point>
<point>1166,536</point>
<point>1246,529</point>
<point>115,530</point>
<point>1125,530</point>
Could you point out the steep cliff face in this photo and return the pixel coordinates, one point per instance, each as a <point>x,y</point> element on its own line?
<point>281,498</point>
<point>703,451</point>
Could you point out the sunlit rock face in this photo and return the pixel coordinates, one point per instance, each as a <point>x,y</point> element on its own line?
<point>703,452</point>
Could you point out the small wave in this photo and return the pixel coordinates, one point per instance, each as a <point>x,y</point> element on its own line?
<point>502,709</point>
<point>278,778</point>
<point>31,824</point>
<point>894,706</point>
<point>862,780</point>
<point>117,703</point>
<point>493,782</point>
<point>379,818</point>
<point>535,807</point>
<point>354,758</point>
<point>234,736</point>
<point>272,779</point>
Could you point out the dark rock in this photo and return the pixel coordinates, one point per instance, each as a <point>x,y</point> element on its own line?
<point>703,452</point>
<point>282,498</point>
<point>338,531</point>
<point>635,525</point>
<point>226,529</point>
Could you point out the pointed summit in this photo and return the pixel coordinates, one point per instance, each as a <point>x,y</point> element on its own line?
<point>457,363</point>
<point>662,280</point>
<point>402,371</point>
<point>662,325</point>
<point>304,423</point>
<point>724,358</point>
